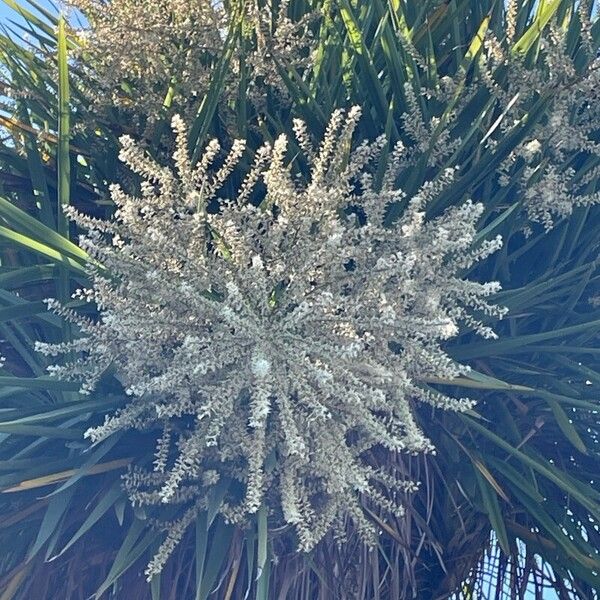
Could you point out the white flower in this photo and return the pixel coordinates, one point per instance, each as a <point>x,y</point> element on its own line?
<point>531,149</point>
<point>278,341</point>
<point>260,366</point>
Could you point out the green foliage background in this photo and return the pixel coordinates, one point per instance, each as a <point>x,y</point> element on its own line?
<point>523,466</point>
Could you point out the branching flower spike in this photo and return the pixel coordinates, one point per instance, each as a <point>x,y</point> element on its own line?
<point>279,344</point>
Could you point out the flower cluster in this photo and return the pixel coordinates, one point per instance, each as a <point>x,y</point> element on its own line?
<point>155,58</point>
<point>567,95</point>
<point>148,46</point>
<point>277,341</point>
<point>279,43</point>
<point>148,55</point>
<point>548,110</point>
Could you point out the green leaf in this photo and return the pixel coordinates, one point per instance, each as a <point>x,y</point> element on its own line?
<point>63,158</point>
<point>509,345</point>
<point>43,249</point>
<point>215,497</point>
<point>39,383</point>
<point>262,540</point>
<point>546,10</point>
<point>494,512</point>
<point>374,90</point>
<point>155,587</point>
<point>24,275</point>
<point>54,513</point>
<point>200,550</point>
<point>566,426</point>
<point>129,552</point>
<point>67,410</point>
<point>40,232</point>
<point>479,381</point>
<point>29,17</point>
<point>53,478</point>
<point>210,101</point>
<point>36,170</point>
<point>92,462</point>
<point>27,309</point>
<point>221,535</point>
<point>106,502</point>
<point>547,470</point>
<point>515,478</point>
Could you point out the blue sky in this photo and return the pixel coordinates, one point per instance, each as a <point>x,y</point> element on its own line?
<point>7,13</point>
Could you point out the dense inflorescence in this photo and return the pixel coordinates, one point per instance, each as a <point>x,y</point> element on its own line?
<point>155,58</point>
<point>547,108</point>
<point>277,344</point>
<point>541,165</point>
<point>141,49</point>
<point>150,57</point>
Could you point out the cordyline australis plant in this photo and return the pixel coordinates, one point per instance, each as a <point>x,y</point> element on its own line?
<point>277,344</point>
